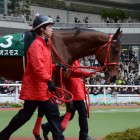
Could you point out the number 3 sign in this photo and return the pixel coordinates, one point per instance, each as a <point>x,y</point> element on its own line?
<point>8,39</point>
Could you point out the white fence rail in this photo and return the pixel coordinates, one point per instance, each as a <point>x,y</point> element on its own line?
<point>10,97</point>
<point>105,98</point>
<point>119,98</point>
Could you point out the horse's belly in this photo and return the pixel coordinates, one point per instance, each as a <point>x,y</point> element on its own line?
<point>12,68</point>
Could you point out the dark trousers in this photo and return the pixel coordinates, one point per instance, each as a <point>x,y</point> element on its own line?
<point>50,111</point>
<point>78,105</point>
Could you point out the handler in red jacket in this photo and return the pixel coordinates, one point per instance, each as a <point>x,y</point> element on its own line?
<point>37,82</point>
<point>75,85</point>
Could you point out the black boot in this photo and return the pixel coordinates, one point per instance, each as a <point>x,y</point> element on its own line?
<point>37,137</point>
<point>89,138</point>
<point>45,131</point>
<point>86,138</point>
<point>3,137</point>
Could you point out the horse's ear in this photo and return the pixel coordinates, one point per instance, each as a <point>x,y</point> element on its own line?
<point>118,32</point>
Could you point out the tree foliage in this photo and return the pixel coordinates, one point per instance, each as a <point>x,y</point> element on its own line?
<point>50,3</point>
<point>104,12</point>
<point>113,13</point>
<point>20,7</point>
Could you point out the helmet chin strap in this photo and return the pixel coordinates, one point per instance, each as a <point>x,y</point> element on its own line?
<point>45,36</point>
<point>46,39</point>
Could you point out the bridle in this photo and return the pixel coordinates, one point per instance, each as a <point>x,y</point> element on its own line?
<point>107,61</point>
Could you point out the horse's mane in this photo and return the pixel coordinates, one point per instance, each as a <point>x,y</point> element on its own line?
<point>76,30</point>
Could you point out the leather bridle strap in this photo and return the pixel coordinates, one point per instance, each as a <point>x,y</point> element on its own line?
<point>107,58</point>
<point>99,69</point>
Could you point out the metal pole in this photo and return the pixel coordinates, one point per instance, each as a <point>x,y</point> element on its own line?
<point>68,15</point>
<point>5,7</point>
<point>16,96</point>
<point>104,95</point>
<point>68,2</point>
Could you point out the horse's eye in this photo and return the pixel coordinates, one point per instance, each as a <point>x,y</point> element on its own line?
<point>115,50</point>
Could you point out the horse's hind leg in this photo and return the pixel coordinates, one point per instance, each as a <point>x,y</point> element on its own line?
<point>36,129</point>
<point>64,119</point>
<point>70,111</point>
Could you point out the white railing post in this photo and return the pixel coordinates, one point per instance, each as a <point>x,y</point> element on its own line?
<point>104,95</point>
<point>117,98</point>
<point>16,96</point>
<point>129,99</point>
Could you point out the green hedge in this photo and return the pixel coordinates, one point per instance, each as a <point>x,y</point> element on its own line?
<point>128,134</point>
<point>50,3</point>
<point>10,105</point>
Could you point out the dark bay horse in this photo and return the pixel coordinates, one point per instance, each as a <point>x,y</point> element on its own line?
<point>70,45</point>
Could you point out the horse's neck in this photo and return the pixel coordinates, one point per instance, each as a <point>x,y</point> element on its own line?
<point>71,47</point>
<point>61,50</point>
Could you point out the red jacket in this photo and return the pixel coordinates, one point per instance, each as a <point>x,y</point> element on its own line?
<point>75,84</point>
<point>38,71</point>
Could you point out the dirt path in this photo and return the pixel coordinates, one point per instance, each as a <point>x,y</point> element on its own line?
<point>50,139</point>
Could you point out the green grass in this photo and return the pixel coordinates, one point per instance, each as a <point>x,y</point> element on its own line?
<point>101,122</point>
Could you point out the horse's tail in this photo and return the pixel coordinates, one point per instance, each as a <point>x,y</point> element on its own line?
<point>29,37</point>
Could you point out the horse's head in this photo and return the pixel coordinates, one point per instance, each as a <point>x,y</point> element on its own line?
<point>73,44</point>
<point>109,57</point>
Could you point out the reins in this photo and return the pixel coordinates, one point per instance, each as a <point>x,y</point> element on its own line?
<point>59,96</point>
<point>61,90</point>
<point>97,69</point>
<point>87,99</point>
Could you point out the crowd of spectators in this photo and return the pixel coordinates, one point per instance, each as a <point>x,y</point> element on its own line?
<point>117,20</point>
<point>76,19</point>
<point>85,20</point>
<point>6,89</point>
<point>128,75</point>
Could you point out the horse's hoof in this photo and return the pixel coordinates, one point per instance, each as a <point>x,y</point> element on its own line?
<point>45,131</point>
<point>37,137</point>
<point>89,138</point>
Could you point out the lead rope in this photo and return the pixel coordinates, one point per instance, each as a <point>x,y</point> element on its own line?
<point>59,96</point>
<point>62,97</point>
<point>98,69</point>
<point>87,99</point>
<point>61,90</point>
